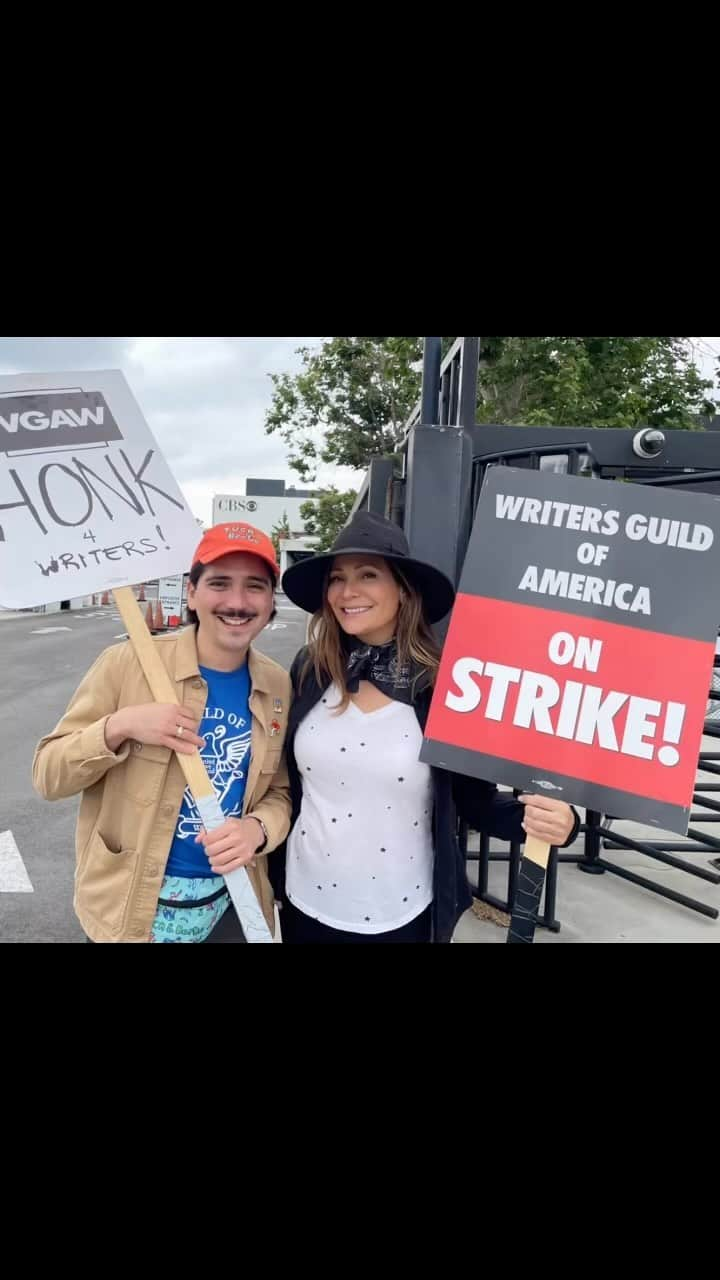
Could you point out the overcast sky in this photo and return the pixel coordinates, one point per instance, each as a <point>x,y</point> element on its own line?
<point>205,400</point>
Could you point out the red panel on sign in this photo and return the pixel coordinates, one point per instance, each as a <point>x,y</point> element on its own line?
<point>613,705</point>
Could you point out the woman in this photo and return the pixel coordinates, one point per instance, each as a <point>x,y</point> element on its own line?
<point>372,855</point>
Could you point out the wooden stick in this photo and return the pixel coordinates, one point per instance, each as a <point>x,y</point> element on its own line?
<point>537,851</point>
<point>252,920</point>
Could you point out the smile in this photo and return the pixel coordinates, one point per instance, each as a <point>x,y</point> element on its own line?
<point>236,623</point>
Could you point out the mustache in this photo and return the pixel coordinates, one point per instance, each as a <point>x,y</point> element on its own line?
<point>236,615</point>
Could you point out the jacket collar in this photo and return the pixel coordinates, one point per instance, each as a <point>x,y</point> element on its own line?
<point>186,659</point>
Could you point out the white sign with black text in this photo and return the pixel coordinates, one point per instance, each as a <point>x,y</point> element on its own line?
<point>171,596</point>
<point>87,501</point>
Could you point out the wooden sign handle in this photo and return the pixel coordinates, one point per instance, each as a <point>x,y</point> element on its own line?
<point>252,920</point>
<point>526,907</point>
<point>537,851</point>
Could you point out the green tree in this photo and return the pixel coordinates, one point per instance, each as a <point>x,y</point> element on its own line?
<point>348,404</point>
<point>327,515</point>
<point>593,382</point>
<point>280,530</point>
<point>352,398</point>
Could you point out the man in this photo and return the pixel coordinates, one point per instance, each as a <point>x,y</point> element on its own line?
<point>147,871</point>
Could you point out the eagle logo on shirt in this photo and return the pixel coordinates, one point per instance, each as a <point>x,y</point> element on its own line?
<point>224,756</point>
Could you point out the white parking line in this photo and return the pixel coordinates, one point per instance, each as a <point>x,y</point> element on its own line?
<point>49,631</point>
<point>13,876</point>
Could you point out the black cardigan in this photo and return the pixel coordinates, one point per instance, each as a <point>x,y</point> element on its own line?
<point>479,804</point>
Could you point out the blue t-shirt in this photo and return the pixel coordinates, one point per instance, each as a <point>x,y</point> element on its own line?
<point>226,728</point>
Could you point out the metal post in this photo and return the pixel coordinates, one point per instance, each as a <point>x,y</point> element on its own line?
<point>590,862</point>
<point>432,359</point>
<point>437,496</point>
<point>469,372</point>
<point>380,485</point>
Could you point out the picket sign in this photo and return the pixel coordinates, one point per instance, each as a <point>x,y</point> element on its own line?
<point>580,653</point>
<point>252,920</point>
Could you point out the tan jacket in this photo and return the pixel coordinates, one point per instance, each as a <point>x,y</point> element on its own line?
<point>131,800</point>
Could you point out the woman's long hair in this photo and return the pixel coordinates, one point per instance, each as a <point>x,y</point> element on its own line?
<point>328,645</point>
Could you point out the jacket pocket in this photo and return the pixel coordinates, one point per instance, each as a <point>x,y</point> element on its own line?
<point>105,882</point>
<point>144,772</point>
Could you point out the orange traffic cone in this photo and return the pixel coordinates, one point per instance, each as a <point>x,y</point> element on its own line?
<point>149,618</point>
<point>105,599</point>
<point>141,596</point>
<point>159,618</point>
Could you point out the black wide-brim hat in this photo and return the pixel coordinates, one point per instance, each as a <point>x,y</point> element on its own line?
<point>369,534</point>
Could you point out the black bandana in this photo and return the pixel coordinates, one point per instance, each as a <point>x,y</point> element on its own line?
<point>378,664</point>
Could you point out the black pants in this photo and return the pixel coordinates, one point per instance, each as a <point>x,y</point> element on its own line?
<point>299,928</point>
<point>226,930</point>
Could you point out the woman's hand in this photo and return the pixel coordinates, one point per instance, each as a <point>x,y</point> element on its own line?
<point>548,820</point>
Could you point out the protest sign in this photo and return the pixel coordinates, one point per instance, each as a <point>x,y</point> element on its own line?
<point>87,501</point>
<point>580,651</point>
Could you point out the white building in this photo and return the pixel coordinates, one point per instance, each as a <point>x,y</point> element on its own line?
<point>267,504</point>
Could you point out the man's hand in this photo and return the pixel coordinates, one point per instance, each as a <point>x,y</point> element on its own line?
<point>233,845</point>
<point>155,724</point>
<point>548,820</point>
